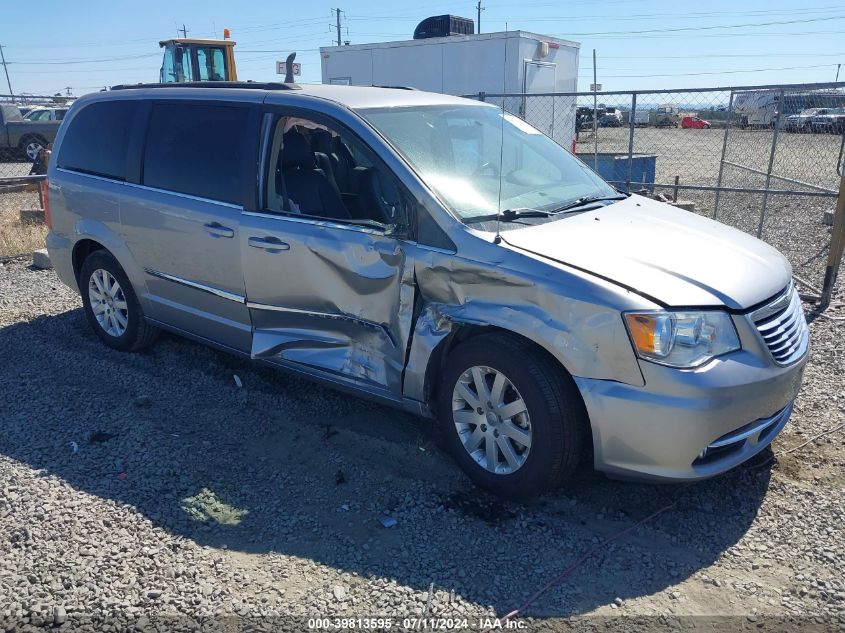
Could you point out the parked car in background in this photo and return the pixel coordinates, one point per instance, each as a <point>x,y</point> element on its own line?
<point>29,137</point>
<point>801,122</point>
<point>642,118</point>
<point>46,114</point>
<point>695,123</point>
<point>668,115</point>
<point>611,112</point>
<point>610,120</point>
<point>832,122</point>
<point>585,122</point>
<point>377,241</point>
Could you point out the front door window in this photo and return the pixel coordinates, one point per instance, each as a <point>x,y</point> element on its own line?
<point>319,170</point>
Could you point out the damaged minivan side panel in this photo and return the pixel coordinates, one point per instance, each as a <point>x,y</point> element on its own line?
<point>477,282</point>
<point>586,335</point>
<point>338,298</point>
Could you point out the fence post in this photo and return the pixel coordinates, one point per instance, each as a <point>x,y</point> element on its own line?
<point>631,140</point>
<point>837,240</point>
<point>771,164</point>
<point>595,131</point>
<point>722,159</point>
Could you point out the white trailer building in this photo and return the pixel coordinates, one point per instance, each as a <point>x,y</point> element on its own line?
<point>506,62</point>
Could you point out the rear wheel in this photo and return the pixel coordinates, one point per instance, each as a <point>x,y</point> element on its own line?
<point>510,415</point>
<point>32,146</point>
<point>111,305</point>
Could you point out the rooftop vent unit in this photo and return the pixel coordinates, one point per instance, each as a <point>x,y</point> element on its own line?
<point>444,26</point>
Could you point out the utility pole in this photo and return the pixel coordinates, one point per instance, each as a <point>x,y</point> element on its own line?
<point>838,66</point>
<point>6,70</point>
<point>479,8</point>
<point>337,25</point>
<point>68,90</point>
<point>184,31</point>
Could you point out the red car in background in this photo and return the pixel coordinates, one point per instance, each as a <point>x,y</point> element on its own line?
<point>695,123</point>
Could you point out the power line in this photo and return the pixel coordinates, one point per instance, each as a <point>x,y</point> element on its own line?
<point>6,70</point>
<point>707,14</point>
<point>87,61</point>
<point>710,28</point>
<point>627,17</point>
<point>724,55</point>
<point>673,35</point>
<point>722,72</point>
<point>83,70</point>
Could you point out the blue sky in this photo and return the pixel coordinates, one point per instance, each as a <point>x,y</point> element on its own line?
<point>643,44</point>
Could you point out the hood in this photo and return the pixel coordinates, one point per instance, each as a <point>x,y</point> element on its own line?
<point>675,257</point>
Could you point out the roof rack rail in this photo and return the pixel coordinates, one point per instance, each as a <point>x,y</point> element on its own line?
<point>251,85</point>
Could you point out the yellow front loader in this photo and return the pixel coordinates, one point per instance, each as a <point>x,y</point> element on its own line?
<point>187,59</point>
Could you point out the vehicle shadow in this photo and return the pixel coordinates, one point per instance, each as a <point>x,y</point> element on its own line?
<point>281,465</point>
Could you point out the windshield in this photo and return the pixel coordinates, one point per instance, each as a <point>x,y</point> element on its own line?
<point>38,115</point>
<point>458,151</point>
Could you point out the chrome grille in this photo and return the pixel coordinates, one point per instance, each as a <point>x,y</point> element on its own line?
<point>783,327</point>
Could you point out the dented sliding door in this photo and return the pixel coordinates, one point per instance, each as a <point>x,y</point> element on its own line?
<point>327,296</point>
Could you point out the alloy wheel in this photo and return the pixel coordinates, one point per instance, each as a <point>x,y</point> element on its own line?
<point>491,420</point>
<point>32,149</point>
<point>108,303</point>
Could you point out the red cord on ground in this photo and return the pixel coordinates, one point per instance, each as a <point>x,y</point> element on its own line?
<point>580,561</point>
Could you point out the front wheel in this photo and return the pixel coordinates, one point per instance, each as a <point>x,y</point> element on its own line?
<point>511,416</point>
<point>111,305</point>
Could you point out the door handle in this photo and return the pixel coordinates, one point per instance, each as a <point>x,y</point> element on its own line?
<point>270,244</point>
<point>218,230</point>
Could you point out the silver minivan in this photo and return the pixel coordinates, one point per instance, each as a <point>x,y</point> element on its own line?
<point>436,254</point>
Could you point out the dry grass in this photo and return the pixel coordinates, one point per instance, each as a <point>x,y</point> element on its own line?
<point>17,238</point>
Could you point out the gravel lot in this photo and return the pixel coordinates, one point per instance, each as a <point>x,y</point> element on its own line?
<point>150,489</point>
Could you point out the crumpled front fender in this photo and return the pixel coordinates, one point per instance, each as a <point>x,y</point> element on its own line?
<point>574,316</point>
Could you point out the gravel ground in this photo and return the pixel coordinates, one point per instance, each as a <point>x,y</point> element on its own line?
<point>150,489</point>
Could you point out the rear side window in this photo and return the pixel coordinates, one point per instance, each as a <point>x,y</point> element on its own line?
<point>97,139</point>
<point>196,149</point>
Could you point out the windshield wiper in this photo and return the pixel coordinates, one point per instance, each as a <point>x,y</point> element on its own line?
<point>586,200</point>
<point>509,215</point>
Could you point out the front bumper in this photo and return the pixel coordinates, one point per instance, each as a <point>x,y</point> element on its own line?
<point>690,424</point>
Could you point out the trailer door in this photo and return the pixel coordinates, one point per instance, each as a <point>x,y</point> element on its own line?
<point>539,77</point>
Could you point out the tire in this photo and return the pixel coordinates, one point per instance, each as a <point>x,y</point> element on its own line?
<point>123,325</point>
<point>554,417</point>
<point>31,146</point>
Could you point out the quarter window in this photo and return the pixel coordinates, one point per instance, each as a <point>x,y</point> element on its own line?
<point>197,149</point>
<point>96,140</point>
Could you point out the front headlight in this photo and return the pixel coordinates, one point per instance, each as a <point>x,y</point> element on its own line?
<point>681,339</point>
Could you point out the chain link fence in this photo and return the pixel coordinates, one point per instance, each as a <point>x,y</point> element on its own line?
<point>764,159</point>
